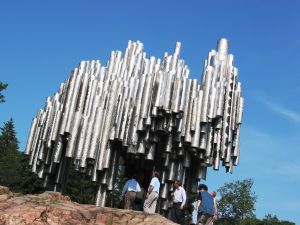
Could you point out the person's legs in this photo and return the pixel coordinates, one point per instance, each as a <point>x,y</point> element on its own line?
<point>147,203</point>
<point>173,213</point>
<point>202,218</point>
<point>209,220</point>
<point>153,205</point>
<point>127,201</point>
<point>198,218</point>
<point>150,203</point>
<point>132,196</point>
<point>178,213</point>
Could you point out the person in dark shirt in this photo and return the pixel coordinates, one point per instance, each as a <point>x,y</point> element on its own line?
<point>205,205</point>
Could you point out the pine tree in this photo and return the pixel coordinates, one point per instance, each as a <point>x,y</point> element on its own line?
<point>8,150</point>
<point>8,138</point>
<point>14,170</point>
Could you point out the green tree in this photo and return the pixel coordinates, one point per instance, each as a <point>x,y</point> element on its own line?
<point>14,170</point>
<point>237,200</point>
<point>79,187</point>
<point>270,220</point>
<point>273,220</point>
<point>2,87</point>
<point>8,138</point>
<point>114,199</point>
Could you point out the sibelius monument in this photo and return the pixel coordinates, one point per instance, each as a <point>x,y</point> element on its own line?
<point>146,111</point>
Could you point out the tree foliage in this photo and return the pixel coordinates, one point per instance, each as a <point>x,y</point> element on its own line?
<point>236,206</point>
<point>237,200</point>
<point>79,187</point>
<point>8,138</point>
<point>2,87</point>
<point>268,220</point>
<point>15,172</point>
<point>114,196</point>
<point>273,220</point>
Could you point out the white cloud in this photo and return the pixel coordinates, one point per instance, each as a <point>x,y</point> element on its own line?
<point>284,111</point>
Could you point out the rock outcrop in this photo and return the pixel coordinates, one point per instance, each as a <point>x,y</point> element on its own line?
<point>54,208</point>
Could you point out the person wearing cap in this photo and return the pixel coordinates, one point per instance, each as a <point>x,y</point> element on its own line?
<point>152,194</point>
<point>179,200</point>
<point>130,190</point>
<point>205,205</point>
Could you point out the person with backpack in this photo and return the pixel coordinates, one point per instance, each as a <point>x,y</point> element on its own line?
<point>205,205</point>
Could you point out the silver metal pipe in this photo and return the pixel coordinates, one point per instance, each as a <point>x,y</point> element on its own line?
<point>149,108</point>
<point>31,136</point>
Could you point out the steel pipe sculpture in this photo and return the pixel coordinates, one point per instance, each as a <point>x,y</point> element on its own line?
<point>145,110</point>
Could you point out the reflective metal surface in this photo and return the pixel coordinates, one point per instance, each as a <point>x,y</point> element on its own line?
<point>145,110</point>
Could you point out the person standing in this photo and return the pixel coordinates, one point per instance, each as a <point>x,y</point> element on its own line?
<point>179,200</point>
<point>152,194</point>
<point>130,190</point>
<point>194,213</point>
<point>216,217</point>
<point>205,204</point>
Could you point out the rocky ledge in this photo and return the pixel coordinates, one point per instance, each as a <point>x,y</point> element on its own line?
<point>54,208</point>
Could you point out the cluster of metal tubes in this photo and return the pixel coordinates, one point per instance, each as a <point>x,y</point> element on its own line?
<point>145,110</point>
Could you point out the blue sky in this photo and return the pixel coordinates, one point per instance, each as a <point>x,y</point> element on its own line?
<point>41,42</point>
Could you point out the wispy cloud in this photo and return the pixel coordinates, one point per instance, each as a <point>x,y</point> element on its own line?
<point>282,110</point>
<point>289,169</point>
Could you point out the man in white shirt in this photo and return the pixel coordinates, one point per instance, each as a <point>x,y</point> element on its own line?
<point>179,200</point>
<point>129,190</point>
<point>152,194</point>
